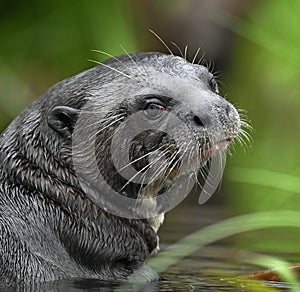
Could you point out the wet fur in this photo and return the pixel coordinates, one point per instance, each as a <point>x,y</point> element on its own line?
<point>49,228</point>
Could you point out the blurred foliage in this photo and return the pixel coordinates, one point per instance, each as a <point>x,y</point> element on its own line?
<point>44,42</point>
<point>264,80</point>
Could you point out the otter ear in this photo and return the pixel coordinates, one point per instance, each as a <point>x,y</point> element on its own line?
<point>62,119</point>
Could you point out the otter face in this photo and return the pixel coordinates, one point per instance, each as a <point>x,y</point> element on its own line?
<point>149,120</point>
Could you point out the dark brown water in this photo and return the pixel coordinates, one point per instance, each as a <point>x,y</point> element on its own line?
<point>213,268</point>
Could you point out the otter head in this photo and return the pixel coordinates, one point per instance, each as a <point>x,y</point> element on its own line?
<point>88,170</point>
<point>148,123</point>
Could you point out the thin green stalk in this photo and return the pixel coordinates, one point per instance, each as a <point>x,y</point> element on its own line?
<point>265,177</point>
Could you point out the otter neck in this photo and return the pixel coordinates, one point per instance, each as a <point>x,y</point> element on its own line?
<point>46,170</point>
<point>36,163</point>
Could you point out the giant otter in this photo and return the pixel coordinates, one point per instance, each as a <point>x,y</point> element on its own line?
<point>51,224</point>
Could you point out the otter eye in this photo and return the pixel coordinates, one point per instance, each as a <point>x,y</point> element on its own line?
<point>154,110</point>
<point>213,85</point>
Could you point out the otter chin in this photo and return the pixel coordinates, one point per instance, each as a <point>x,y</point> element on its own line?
<point>89,169</point>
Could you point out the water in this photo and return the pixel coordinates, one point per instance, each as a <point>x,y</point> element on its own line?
<point>213,268</point>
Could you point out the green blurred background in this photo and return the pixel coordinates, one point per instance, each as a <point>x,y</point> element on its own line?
<point>255,46</point>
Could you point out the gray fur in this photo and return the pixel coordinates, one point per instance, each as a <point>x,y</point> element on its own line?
<point>49,227</point>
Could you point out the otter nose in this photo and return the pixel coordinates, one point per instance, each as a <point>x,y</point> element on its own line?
<point>228,110</point>
<point>222,110</point>
<point>201,120</point>
<point>231,113</point>
<point>198,121</point>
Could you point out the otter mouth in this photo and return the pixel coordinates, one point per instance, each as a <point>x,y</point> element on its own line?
<point>211,149</point>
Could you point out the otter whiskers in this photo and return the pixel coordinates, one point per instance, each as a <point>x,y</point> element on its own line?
<point>147,167</point>
<point>112,68</point>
